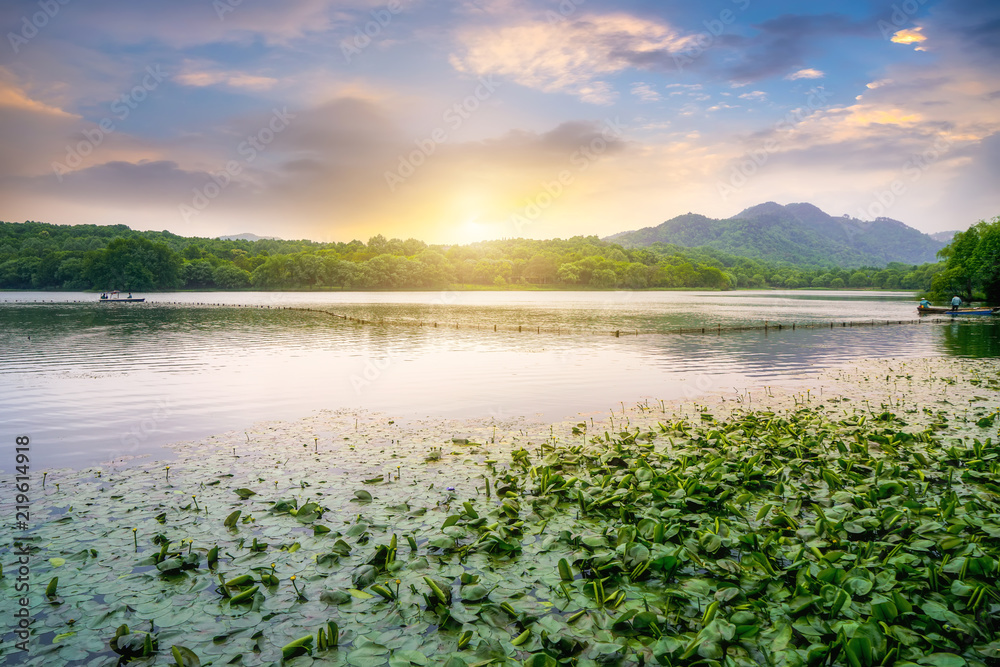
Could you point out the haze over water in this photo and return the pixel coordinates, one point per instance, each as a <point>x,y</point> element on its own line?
<point>91,382</point>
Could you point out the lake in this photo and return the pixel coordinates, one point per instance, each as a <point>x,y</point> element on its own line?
<point>90,382</point>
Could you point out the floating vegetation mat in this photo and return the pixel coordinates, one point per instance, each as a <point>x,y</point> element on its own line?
<point>859,528</point>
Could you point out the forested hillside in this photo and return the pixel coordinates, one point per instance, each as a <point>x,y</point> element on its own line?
<point>36,255</point>
<point>797,233</point>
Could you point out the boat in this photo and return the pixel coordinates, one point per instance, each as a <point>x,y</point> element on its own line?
<point>116,297</point>
<point>942,310</point>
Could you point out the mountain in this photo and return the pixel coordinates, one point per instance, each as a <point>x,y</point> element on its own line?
<point>246,236</point>
<point>797,233</point>
<point>944,237</point>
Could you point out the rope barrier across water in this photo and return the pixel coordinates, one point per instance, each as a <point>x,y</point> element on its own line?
<point>717,329</point>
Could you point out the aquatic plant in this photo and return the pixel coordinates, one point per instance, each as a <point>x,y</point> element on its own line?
<point>815,534</point>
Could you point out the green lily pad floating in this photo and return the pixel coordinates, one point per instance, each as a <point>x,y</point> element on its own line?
<point>474,593</point>
<point>335,597</point>
<point>748,535</point>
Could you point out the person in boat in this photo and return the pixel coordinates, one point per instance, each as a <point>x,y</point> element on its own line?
<point>956,301</point>
<point>924,304</point>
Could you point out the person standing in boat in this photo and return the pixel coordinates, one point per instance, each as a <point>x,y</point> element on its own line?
<point>956,301</point>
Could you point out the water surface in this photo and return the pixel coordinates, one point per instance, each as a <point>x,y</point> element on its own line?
<point>90,382</point>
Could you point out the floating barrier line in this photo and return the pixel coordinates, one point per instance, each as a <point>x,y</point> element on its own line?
<point>717,329</point>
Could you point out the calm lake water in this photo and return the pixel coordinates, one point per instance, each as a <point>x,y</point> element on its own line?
<point>90,382</point>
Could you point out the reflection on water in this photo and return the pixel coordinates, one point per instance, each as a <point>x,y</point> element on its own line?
<point>90,382</point>
<point>965,339</point>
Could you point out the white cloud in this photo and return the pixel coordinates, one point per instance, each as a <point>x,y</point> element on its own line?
<point>645,92</point>
<point>202,75</point>
<point>910,36</point>
<point>808,73</point>
<point>573,56</point>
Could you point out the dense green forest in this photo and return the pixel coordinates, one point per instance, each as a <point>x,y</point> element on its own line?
<point>972,264</point>
<point>36,255</point>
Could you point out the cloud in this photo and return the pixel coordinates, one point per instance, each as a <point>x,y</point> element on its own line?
<point>971,27</point>
<point>645,93</point>
<point>574,56</point>
<point>144,184</point>
<point>919,133</point>
<point>910,36</point>
<point>805,74</point>
<point>784,41</point>
<point>186,23</point>
<point>12,96</point>
<point>34,132</point>
<point>201,75</point>
<point>324,176</point>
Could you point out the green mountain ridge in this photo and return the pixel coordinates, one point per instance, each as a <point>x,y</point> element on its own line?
<point>799,233</point>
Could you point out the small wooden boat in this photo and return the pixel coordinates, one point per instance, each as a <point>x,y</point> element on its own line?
<point>116,297</point>
<point>942,310</point>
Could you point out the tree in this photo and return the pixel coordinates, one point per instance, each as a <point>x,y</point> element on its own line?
<point>274,273</point>
<point>972,263</point>
<point>568,274</point>
<point>986,260</point>
<point>636,276</point>
<point>134,264</point>
<point>542,267</point>
<point>603,278</point>
<point>198,274</point>
<point>228,276</point>
<point>434,269</point>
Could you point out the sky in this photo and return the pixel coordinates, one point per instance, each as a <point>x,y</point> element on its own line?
<point>455,121</point>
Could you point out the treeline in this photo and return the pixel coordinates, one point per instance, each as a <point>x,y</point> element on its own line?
<point>972,264</point>
<point>37,255</point>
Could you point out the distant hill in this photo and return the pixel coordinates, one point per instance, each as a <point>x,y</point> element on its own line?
<point>796,233</point>
<point>944,237</point>
<point>246,236</point>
